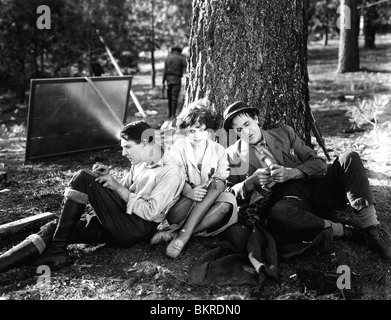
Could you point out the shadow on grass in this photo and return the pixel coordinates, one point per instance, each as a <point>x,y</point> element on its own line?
<point>332,122</point>
<point>367,70</point>
<point>322,54</point>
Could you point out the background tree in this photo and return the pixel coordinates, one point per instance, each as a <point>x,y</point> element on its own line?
<point>376,15</point>
<point>255,51</point>
<point>162,24</point>
<point>348,54</point>
<point>371,21</point>
<point>72,41</point>
<point>322,18</point>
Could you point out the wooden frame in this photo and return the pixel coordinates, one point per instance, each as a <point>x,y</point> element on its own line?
<point>69,115</point>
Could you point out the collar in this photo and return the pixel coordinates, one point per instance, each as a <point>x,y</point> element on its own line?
<point>190,152</point>
<point>273,145</point>
<point>261,143</point>
<point>163,160</point>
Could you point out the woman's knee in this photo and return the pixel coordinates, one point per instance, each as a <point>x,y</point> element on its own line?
<point>226,208</point>
<point>180,210</point>
<point>220,209</point>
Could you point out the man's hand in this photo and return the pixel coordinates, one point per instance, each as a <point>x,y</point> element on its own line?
<point>281,174</point>
<point>100,169</point>
<point>109,182</point>
<point>261,177</point>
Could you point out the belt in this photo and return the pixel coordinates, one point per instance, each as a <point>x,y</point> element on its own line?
<point>292,198</point>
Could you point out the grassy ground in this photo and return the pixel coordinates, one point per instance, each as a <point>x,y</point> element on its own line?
<point>143,272</point>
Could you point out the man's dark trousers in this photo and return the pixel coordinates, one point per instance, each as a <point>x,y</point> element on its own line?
<point>301,217</point>
<point>119,227</point>
<point>173,91</point>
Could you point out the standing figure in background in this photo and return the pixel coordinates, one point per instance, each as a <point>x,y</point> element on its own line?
<point>174,68</point>
<point>96,67</point>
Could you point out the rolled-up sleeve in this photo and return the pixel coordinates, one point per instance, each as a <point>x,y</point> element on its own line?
<point>131,201</point>
<point>155,205</point>
<point>127,180</point>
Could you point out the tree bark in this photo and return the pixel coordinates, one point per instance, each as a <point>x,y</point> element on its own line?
<point>348,54</point>
<point>369,36</point>
<point>254,51</point>
<point>370,27</point>
<point>326,31</point>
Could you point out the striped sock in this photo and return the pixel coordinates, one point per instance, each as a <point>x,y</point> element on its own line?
<point>367,216</point>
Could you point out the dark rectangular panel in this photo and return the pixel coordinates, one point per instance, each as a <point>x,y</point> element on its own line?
<point>68,115</point>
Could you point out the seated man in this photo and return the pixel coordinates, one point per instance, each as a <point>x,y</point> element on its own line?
<point>305,191</point>
<point>126,212</point>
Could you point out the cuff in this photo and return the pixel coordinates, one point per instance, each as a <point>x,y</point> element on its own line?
<point>76,196</point>
<point>38,242</point>
<point>131,202</point>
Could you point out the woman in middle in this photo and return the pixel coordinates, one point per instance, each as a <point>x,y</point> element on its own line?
<point>204,209</point>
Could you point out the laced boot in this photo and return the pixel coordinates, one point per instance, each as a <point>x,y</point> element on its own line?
<point>56,254</point>
<point>28,249</point>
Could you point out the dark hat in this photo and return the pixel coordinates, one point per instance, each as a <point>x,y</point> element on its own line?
<point>232,110</point>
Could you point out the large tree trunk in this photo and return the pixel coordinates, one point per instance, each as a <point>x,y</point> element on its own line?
<point>348,55</point>
<point>370,27</point>
<point>370,34</point>
<point>254,51</point>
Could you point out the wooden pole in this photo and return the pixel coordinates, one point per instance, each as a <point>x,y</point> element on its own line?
<point>15,226</point>
<point>116,66</point>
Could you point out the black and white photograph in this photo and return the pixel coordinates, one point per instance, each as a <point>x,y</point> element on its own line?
<point>195,157</point>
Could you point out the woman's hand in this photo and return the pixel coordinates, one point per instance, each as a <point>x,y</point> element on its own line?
<point>197,193</point>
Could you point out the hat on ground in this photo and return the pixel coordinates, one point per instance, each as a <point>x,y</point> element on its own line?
<point>232,110</point>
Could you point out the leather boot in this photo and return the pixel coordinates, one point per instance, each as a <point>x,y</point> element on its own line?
<point>56,254</point>
<point>28,249</point>
<point>46,232</point>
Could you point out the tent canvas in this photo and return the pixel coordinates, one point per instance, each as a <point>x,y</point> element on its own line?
<point>69,115</point>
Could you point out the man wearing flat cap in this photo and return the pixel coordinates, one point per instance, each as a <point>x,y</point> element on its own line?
<point>174,68</point>
<point>305,191</point>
